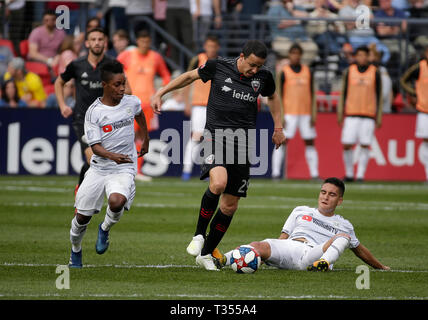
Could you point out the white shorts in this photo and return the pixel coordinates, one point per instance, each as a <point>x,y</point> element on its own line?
<point>303,122</point>
<point>421,125</point>
<point>358,130</point>
<point>90,195</point>
<point>198,118</point>
<point>291,254</point>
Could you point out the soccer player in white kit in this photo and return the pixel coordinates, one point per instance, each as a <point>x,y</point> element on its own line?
<point>109,129</point>
<point>313,238</point>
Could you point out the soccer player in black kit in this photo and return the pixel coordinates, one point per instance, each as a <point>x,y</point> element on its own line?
<point>86,73</point>
<point>232,107</point>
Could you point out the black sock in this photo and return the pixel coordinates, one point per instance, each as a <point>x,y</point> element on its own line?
<point>208,206</point>
<point>218,228</point>
<point>85,168</point>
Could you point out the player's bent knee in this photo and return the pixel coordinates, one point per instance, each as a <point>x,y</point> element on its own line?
<point>262,248</point>
<point>116,202</point>
<point>82,219</point>
<point>218,186</point>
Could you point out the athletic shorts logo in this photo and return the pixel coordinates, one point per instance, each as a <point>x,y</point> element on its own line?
<point>108,128</point>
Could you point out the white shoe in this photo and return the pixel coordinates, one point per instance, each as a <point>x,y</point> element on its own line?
<point>206,262</point>
<point>143,178</point>
<point>195,246</point>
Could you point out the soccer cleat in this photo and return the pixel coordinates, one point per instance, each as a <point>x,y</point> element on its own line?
<point>75,259</point>
<point>195,246</point>
<point>102,241</point>
<point>219,258</point>
<point>143,178</point>
<point>319,265</point>
<point>186,176</point>
<point>206,262</point>
<point>348,179</point>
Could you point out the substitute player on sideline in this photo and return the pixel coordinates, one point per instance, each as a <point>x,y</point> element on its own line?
<point>109,128</point>
<point>86,72</point>
<point>198,106</point>
<point>297,91</point>
<point>313,238</point>
<point>232,107</point>
<point>418,73</point>
<point>361,102</point>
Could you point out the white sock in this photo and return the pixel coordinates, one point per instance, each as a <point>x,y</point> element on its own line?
<point>311,155</point>
<point>77,231</point>
<point>349,164</point>
<point>423,156</point>
<point>335,250</point>
<point>362,162</point>
<point>189,150</point>
<point>111,218</point>
<point>278,156</point>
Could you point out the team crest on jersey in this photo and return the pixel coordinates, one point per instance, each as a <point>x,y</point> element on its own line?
<point>129,111</point>
<point>255,84</point>
<point>209,159</point>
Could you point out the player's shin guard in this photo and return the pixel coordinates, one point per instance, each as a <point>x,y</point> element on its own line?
<point>111,218</point>
<point>218,228</point>
<point>208,206</point>
<point>334,251</point>
<point>77,232</point>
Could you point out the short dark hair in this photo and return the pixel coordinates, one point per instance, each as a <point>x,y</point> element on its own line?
<point>109,69</point>
<point>337,182</point>
<point>49,12</point>
<point>295,46</point>
<point>255,47</point>
<point>97,29</point>
<point>362,48</point>
<point>143,34</point>
<point>212,37</point>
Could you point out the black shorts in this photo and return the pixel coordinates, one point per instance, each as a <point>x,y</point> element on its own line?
<point>79,131</point>
<point>238,177</point>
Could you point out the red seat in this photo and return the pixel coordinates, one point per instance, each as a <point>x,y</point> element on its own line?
<point>24,48</point>
<point>40,69</point>
<point>9,44</point>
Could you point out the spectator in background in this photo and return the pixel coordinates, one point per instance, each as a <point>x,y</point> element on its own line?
<point>29,85</point>
<point>328,36</point>
<point>5,57</point>
<point>285,32</point>
<point>69,96</point>
<point>67,53</point>
<point>9,96</point>
<point>45,40</point>
<point>179,25</point>
<point>361,36</point>
<point>202,14</point>
<point>136,9</point>
<point>387,92</point>
<point>393,34</point>
<point>120,41</point>
<point>346,56</point>
<point>419,9</point>
<point>141,65</point>
<point>15,12</point>
<point>91,24</point>
<point>250,7</point>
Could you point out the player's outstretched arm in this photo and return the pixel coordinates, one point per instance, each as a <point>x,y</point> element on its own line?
<point>66,111</point>
<point>116,157</point>
<point>364,254</point>
<point>181,81</point>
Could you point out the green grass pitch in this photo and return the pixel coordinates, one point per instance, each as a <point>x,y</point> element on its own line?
<point>147,257</point>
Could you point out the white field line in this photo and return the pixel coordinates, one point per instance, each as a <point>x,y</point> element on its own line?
<point>198,296</point>
<point>166,266</point>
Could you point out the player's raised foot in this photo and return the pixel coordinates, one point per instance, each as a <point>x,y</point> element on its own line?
<point>219,258</point>
<point>206,262</point>
<point>143,178</point>
<point>319,265</point>
<point>102,243</point>
<point>195,246</point>
<point>75,259</point>
<point>185,176</point>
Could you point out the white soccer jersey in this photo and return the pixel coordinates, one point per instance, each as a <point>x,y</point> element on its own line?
<point>113,127</point>
<point>309,223</point>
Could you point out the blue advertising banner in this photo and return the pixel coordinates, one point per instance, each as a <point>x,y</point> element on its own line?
<point>42,142</point>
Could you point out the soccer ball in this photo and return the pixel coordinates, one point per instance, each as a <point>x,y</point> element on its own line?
<point>245,259</point>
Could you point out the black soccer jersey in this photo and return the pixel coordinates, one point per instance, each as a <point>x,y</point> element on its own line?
<point>233,97</point>
<point>88,84</point>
